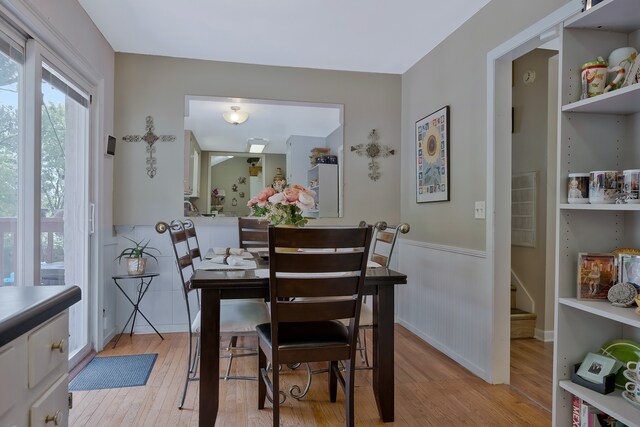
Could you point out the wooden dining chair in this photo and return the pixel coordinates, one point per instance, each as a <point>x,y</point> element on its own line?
<point>236,317</point>
<point>384,241</point>
<point>305,280</point>
<point>253,232</point>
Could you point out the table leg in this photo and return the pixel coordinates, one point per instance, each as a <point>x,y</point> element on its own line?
<point>209,357</point>
<point>383,348</point>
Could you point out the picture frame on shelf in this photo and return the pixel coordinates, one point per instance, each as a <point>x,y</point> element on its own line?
<point>595,367</point>
<point>629,268</point>
<point>432,157</point>
<point>597,272</point>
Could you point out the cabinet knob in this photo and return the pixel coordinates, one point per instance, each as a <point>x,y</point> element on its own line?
<point>55,418</point>
<point>59,346</point>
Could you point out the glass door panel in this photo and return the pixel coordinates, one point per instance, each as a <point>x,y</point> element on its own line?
<point>11,69</point>
<point>64,181</point>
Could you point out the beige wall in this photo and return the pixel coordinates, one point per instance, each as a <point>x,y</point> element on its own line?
<point>454,74</point>
<point>529,154</point>
<point>156,86</point>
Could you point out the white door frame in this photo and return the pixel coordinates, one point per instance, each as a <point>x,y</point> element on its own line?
<point>498,227</point>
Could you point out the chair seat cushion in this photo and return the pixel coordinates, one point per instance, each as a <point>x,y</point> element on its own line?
<point>328,333</point>
<point>240,316</point>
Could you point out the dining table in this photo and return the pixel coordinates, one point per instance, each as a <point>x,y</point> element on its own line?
<point>216,285</point>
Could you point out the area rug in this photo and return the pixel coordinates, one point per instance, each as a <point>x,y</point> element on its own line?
<point>114,372</point>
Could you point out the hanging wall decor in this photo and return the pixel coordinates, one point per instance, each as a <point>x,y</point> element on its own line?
<point>373,150</point>
<point>432,157</point>
<point>150,138</point>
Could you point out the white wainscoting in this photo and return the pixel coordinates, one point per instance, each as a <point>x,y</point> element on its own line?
<point>164,303</point>
<point>446,301</point>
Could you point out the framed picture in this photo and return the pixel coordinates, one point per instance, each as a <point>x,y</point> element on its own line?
<point>595,367</point>
<point>596,274</point>
<point>432,157</point>
<point>629,268</point>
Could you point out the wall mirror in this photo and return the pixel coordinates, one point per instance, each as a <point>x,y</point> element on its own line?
<point>234,147</point>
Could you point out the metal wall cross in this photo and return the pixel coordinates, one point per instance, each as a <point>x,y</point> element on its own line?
<point>150,138</point>
<point>373,150</point>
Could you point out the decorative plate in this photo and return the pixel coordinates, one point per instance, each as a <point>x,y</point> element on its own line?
<point>629,398</point>
<point>622,294</point>
<point>624,351</point>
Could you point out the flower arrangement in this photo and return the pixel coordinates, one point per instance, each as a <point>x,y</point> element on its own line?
<point>283,207</point>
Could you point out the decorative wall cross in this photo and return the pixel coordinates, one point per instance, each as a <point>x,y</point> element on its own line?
<point>373,150</point>
<point>150,138</point>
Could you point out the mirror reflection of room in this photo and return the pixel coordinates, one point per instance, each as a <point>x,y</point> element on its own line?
<point>231,154</point>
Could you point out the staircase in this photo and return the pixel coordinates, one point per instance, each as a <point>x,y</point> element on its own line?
<point>523,323</point>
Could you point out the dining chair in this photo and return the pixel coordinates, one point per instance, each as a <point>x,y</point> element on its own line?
<point>236,317</point>
<point>301,265</point>
<point>252,232</point>
<point>384,241</point>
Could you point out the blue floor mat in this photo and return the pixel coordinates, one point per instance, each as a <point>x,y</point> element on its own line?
<point>114,372</point>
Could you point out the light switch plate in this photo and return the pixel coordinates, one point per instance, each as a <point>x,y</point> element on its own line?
<point>478,211</point>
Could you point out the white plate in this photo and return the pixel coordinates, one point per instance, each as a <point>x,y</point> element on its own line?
<point>629,398</point>
<point>631,375</point>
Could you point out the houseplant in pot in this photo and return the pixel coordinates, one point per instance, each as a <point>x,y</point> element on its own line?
<point>136,256</point>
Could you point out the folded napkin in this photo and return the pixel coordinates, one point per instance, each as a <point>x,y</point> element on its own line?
<point>228,251</point>
<point>211,253</point>
<point>371,264</point>
<point>236,264</point>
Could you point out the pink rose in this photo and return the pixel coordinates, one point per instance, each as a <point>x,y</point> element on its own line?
<point>278,198</point>
<point>291,194</point>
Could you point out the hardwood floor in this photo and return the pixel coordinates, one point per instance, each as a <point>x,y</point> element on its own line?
<point>532,370</point>
<point>431,390</point>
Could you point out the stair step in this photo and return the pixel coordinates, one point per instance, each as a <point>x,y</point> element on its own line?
<point>522,324</point>
<point>516,313</point>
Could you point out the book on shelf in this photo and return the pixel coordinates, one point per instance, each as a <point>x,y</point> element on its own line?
<point>585,415</point>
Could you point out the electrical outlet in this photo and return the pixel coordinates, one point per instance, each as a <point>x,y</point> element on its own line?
<point>478,211</point>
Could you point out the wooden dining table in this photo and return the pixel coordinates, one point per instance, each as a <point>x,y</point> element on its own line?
<point>216,285</point>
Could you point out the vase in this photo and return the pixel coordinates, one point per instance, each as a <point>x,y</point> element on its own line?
<point>136,266</point>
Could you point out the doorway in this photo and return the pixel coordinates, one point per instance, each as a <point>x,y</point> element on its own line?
<point>533,166</point>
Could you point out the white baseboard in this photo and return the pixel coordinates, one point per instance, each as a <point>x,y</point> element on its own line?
<point>546,336</point>
<point>466,364</point>
<point>107,337</point>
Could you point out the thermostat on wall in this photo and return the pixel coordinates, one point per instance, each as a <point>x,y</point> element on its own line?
<point>111,145</point>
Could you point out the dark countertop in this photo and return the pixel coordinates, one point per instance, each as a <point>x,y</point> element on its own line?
<point>24,308</point>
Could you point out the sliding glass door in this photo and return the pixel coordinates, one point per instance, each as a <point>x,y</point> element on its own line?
<point>44,167</point>
<point>64,182</point>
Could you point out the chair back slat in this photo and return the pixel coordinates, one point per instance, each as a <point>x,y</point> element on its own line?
<point>313,287</point>
<point>253,232</point>
<point>326,262</point>
<point>181,239</point>
<point>313,311</point>
<point>384,241</point>
<point>321,284</point>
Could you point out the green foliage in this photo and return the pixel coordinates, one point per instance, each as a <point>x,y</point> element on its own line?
<point>139,250</point>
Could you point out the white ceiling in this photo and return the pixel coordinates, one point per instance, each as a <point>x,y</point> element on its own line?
<point>386,36</point>
<point>271,120</point>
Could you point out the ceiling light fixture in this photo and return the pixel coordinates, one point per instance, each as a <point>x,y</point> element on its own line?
<point>256,145</point>
<point>235,117</point>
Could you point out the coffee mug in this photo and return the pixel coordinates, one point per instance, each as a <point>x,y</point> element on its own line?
<point>603,186</point>
<point>632,185</point>
<point>635,367</point>
<point>634,389</point>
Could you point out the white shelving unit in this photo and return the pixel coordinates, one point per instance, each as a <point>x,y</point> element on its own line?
<point>600,133</point>
<point>326,189</point>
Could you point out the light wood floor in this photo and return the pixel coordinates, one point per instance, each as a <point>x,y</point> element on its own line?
<point>532,370</point>
<point>431,390</point>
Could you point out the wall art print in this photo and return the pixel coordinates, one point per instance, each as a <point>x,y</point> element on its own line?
<point>432,157</point>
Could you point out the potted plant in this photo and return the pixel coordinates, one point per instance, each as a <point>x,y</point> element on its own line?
<point>135,256</point>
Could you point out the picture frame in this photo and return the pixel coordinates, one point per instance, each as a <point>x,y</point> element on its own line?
<point>595,367</point>
<point>432,157</point>
<point>597,272</point>
<point>629,268</point>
